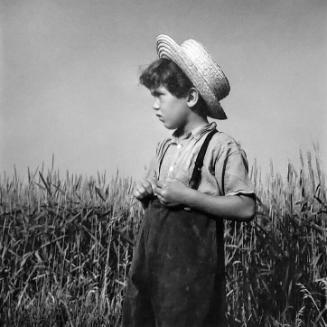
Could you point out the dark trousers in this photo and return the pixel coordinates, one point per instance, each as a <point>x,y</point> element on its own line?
<point>176,278</point>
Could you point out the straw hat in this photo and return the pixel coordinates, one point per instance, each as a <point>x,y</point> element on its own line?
<point>201,69</point>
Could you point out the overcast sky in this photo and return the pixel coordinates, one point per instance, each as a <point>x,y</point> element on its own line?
<point>69,78</point>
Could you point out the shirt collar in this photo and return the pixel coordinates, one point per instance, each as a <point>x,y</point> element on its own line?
<point>195,133</point>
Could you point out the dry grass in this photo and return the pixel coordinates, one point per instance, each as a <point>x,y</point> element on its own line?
<point>66,245</point>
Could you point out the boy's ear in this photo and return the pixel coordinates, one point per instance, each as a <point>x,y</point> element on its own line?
<point>192,97</point>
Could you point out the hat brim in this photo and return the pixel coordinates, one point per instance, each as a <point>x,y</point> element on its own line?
<point>167,48</point>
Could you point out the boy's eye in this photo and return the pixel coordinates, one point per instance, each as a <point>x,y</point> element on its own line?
<point>156,93</point>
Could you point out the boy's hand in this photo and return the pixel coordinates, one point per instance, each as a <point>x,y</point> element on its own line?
<point>171,192</point>
<point>143,188</point>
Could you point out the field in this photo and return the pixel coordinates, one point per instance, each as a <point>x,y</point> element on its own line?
<point>66,244</point>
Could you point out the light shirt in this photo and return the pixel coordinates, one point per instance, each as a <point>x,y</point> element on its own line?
<point>225,165</point>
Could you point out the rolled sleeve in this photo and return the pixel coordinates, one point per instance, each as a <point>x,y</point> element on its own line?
<point>231,171</point>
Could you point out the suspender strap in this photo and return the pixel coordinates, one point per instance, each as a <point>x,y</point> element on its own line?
<point>195,179</point>
<point>219,222</point>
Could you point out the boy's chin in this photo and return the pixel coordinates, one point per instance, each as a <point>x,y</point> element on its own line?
<point>167,125</point>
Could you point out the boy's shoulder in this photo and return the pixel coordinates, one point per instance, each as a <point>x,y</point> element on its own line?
<point>162,144</point>
<point>225,141</point>
<point>226,147</point>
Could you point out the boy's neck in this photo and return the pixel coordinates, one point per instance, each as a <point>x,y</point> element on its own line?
<point>186,129</point>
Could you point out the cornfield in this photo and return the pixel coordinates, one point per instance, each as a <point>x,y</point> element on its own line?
<point>66,243</point>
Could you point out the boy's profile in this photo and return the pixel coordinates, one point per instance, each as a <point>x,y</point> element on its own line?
<point>198,177</point>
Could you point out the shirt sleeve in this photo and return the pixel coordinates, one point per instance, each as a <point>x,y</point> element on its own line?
<point>151,172</point>
<point>231,171</point>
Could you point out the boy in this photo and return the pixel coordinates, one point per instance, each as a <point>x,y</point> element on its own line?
<point>198,177</point>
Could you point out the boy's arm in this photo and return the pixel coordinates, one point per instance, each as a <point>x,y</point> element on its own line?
<point>238,200</point>
<point>232,172</point>
<point>151,176</point>
<point>150,173</point>
<point>240,207</point>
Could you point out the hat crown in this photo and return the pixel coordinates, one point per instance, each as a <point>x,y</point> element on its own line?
<point>207,67</point>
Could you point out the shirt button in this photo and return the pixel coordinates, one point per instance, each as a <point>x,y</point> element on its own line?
<point>171,168</point>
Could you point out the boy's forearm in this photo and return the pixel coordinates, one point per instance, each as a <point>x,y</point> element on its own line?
<point>235,206</point>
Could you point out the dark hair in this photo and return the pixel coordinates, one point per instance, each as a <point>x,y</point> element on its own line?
<point>165,72</point>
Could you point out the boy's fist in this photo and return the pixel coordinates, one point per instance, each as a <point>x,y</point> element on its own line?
<point>143,188</point>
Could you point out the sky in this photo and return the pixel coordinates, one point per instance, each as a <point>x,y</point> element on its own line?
<point>69,79</point>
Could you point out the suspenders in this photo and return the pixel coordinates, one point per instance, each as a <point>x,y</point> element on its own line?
<point>195,179</point>
<point>219,221</point>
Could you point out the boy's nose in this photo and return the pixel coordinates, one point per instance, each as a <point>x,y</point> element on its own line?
<point>155,105</point>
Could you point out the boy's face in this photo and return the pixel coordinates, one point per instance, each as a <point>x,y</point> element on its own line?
<point>172,111</point>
